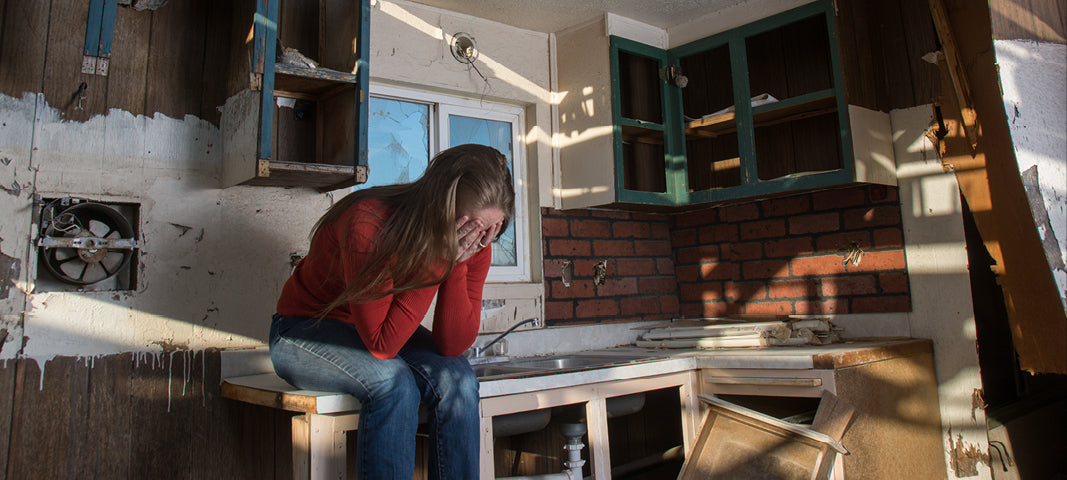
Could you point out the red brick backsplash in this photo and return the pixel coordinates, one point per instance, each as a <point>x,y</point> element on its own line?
<point>636,247</point>
<point>775,256</point>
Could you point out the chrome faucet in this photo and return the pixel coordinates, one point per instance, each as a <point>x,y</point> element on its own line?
<point>476,351</point>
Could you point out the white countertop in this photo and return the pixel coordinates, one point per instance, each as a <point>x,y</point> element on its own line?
<point>837,355</point>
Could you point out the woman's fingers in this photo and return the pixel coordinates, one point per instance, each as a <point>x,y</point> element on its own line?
<point>469,233</point>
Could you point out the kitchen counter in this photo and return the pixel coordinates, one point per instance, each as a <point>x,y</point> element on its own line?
<point>889,381</point>
<point>665,361</point>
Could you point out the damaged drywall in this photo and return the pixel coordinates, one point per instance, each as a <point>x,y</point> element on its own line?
<point>1032,76</point>
<point>210,260</point>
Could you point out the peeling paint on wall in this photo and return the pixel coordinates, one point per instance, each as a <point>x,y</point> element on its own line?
<point>965,456</point>
<point>1032,76</point>
<point>10,268</point>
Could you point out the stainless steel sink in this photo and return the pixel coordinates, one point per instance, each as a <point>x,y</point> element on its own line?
<point>556,364</point>
<point>496,370</point>
<point>576,361</point>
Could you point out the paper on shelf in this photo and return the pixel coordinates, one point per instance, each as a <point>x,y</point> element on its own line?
<point>761,99</point>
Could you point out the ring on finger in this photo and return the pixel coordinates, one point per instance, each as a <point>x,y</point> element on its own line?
<point>482,245</point>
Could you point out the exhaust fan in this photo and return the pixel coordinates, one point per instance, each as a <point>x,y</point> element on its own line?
<point>84,242</point>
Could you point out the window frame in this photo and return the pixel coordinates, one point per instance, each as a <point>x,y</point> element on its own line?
<point>441,106</point>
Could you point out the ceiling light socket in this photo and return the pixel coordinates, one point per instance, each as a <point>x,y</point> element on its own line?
<point>464,48</point>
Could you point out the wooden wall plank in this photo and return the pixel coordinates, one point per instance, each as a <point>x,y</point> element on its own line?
<point>921,38</point>
<point>216,60</point>
<point>23,37</point>
<point>49,419</point>
<point>176,60</point>
<point>886,17</point>
<point>7,404</point>
<point>1037,20</point>
<point>861,81</point>
<point>127,76</point>
<point>63,64</point>
<point>166,410</point>
<point>108,419</point>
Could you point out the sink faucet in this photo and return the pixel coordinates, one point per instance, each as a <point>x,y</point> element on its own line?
<point>479,351</point>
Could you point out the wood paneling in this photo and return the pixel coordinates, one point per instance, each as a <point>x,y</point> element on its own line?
<point>109,425</point>
<point>127,75</point>
<point>48,419</point>
<point>23,38</point>
<point>1037,20</point>
<point>62,74</point>
<point>143,416</point>
<point>216,60</point>
<point>881,45</point>
<point>159,60</point>
<point>176,60</point>
<point>7,403</point>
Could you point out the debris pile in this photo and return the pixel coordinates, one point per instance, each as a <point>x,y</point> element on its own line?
<point>732,333</point>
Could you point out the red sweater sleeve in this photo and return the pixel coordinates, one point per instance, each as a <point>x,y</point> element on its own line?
<point>457,316</point>
<point>387,323</point>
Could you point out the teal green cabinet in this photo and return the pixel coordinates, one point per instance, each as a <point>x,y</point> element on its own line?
<point>755,111</point>
<point>296,112</point>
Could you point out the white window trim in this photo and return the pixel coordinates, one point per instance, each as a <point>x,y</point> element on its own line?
<point>441,105</point>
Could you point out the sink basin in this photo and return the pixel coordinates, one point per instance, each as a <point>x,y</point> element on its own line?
<point>555,364</point>
<point>567,362</point>
<point>494,370</point>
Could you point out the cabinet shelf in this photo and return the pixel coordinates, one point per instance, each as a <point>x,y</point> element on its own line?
<point>310,83</point>
<point>313,175</point>
<point>807,106</point>
<point>291,125</point>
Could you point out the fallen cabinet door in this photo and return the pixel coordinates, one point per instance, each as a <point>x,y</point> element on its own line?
<point>738,443</point>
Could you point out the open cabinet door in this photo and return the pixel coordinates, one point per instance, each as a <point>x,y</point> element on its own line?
<point>737,443</point>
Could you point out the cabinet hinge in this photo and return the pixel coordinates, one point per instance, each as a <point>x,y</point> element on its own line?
<point>263,168</point>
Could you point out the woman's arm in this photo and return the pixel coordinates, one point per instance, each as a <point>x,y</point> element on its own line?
<point>387,323</point>
<point>459,305</point>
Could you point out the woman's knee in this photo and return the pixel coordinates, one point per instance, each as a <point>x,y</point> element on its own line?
<point>458,381</point>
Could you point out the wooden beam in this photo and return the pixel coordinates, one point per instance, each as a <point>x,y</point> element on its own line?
<point>951,57</point>
<point>988,175</point>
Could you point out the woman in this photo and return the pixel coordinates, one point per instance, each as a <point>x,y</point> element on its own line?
<point>348,317</point>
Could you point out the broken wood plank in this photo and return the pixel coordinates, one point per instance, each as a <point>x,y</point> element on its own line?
<point>951,56</point>
<point>991,184</point>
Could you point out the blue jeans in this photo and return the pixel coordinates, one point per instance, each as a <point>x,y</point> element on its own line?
<point>328,355</point>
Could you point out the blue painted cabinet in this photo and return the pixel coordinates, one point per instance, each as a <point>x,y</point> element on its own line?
<point>296,115</point>
<point>755,111</point>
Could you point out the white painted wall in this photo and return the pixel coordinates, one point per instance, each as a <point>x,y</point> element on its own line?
<point>213,260</point>
<point>1033,77</point>
<point>936,250</point>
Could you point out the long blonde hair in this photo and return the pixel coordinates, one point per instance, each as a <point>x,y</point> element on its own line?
<point>419,238</point>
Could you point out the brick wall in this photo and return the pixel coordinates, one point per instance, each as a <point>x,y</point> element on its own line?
<point>776,256</point>
<point>636,248</point>
<point>787,255</point>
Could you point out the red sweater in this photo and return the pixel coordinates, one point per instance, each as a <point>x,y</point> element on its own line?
<point>340,251</point>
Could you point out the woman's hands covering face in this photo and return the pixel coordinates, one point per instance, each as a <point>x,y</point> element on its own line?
<point>473,235</point>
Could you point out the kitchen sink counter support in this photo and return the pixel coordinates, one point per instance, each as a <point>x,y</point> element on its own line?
<point>594,396</point>
<point>889,381</point>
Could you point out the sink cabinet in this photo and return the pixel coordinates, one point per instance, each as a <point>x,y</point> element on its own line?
<point>764,110</point>
<point>890,384</point>
<point>286,123</point>
<point>896,427</point>
<point>594,398</point>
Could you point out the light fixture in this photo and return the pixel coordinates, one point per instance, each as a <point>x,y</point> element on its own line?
<point>464,49</point>
<point>673,74</point>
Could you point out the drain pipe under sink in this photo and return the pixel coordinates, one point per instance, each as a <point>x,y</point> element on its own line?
<point>573,432</point>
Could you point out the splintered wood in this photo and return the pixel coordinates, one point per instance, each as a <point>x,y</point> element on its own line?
<point>732,333</point>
